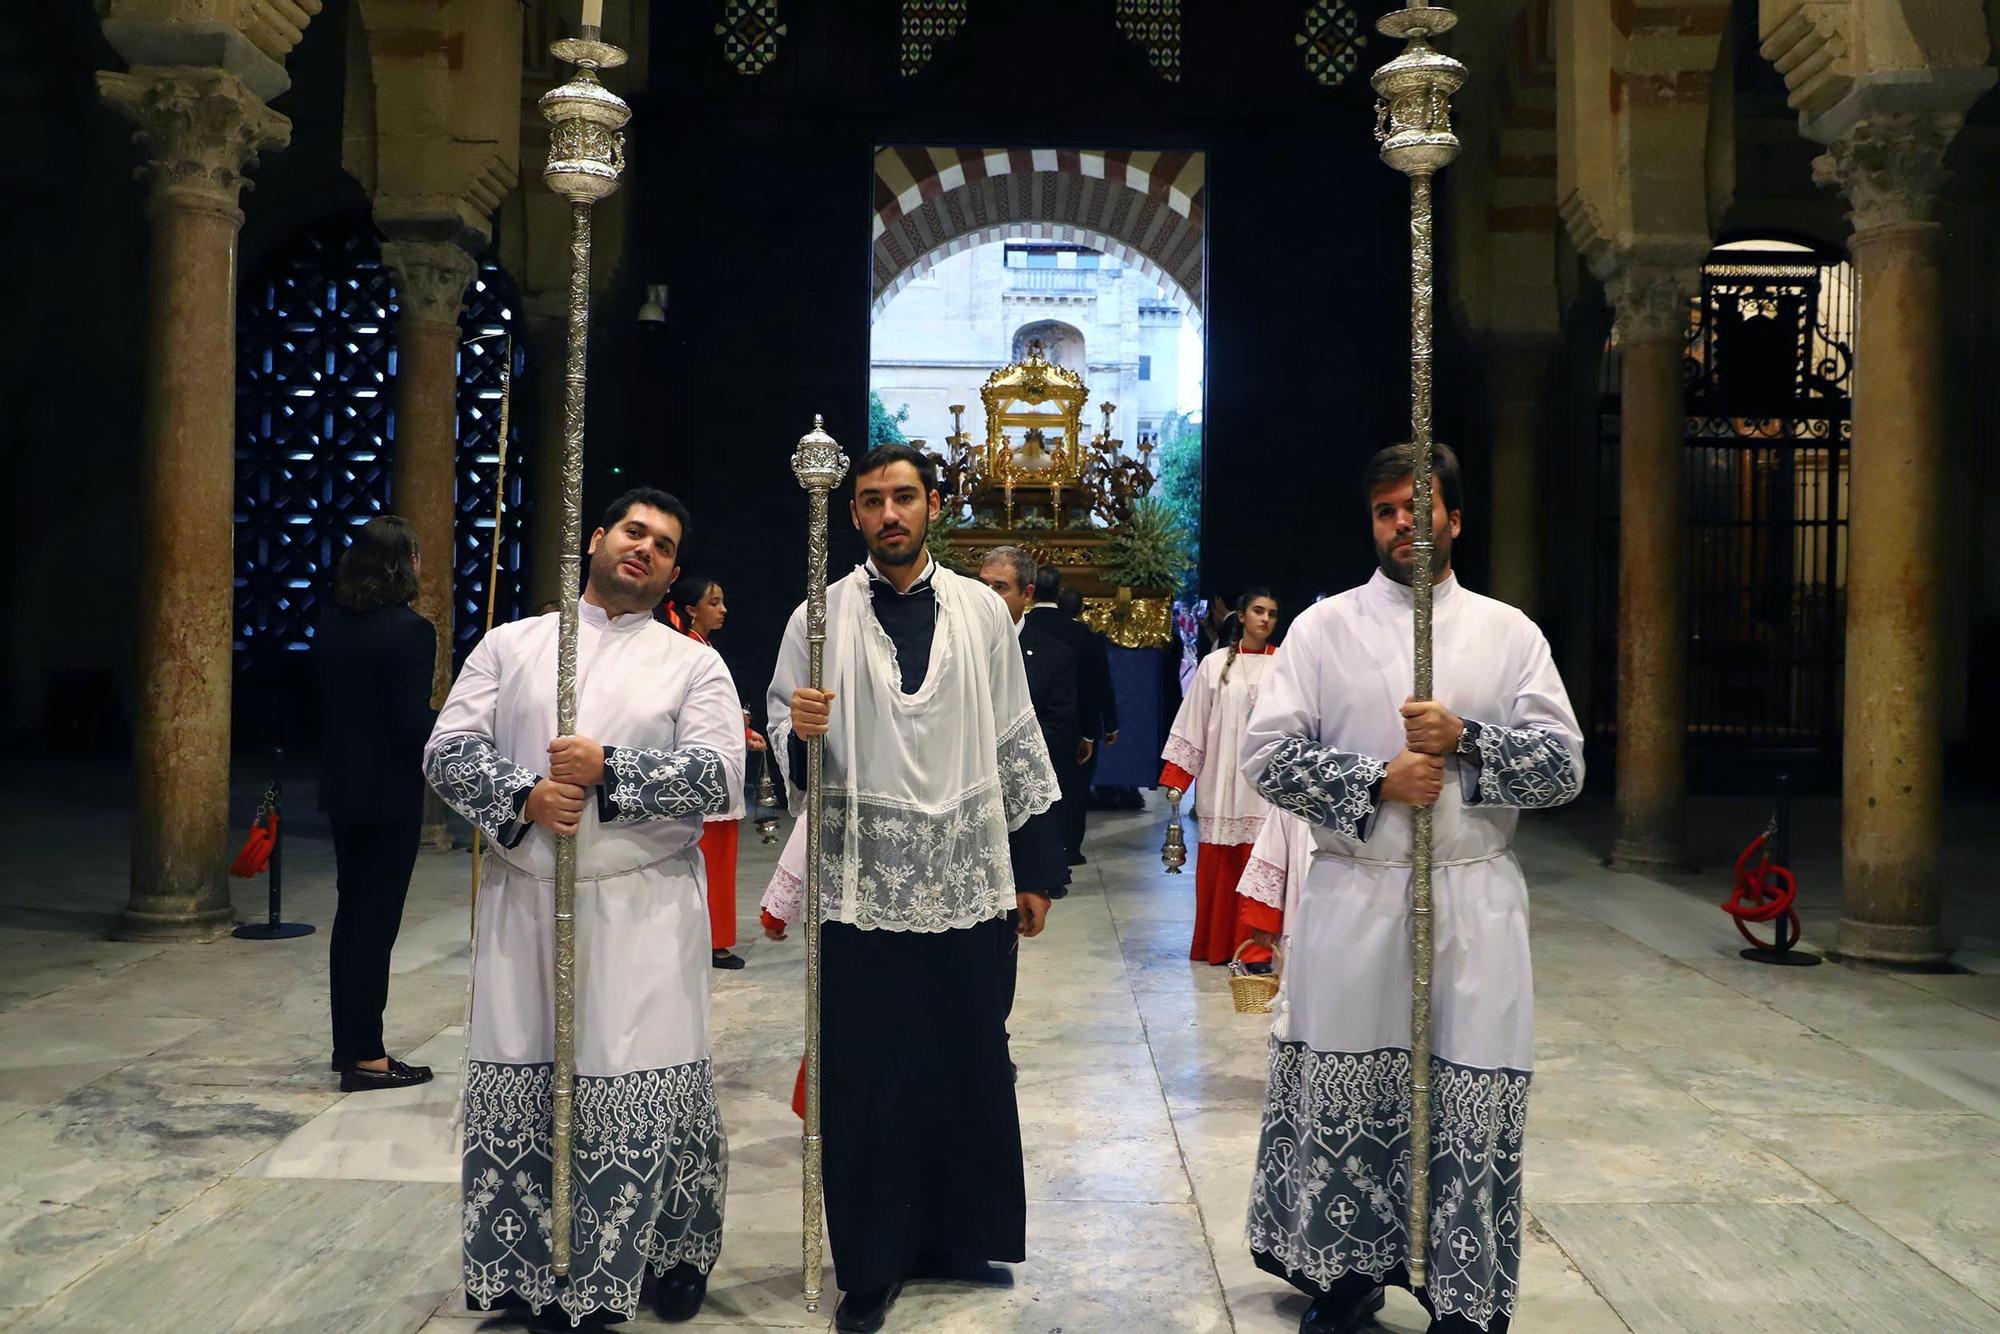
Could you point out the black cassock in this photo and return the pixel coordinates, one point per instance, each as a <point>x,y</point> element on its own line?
<point>923,1138</point>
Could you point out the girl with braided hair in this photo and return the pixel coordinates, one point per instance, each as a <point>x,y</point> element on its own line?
<point>1206,738</point>
<point>695,607</point>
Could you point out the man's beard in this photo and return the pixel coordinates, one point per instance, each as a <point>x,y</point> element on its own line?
<point>910,554</point>
<point>1400,572</point>
<point>618,590</point>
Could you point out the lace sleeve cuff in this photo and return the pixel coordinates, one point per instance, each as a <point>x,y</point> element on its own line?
<point>483,785</point>
<point>784,897</point>
<point>1263,882</point>
<point>1027,778</point>
<point>661,784</point>
<point>1325,787</point>
<point>1183,755</point>
<point>1524,767</point>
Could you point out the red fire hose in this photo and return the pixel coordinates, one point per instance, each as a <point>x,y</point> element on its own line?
<point>1764,893</point>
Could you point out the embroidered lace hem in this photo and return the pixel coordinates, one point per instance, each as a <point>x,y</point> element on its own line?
<point>1330,1193</point>
<point>649,1171</point>
<point>1229,830</point>
<point>1027,777</point>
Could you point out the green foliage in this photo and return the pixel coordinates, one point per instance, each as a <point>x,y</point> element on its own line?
<point>885,427</point>
<point>1151,550</point>
<point>1179,487</point>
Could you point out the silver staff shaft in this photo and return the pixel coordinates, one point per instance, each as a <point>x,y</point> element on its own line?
<point>1413,126</point>
<point>819,465</point>
<point>586,154</point>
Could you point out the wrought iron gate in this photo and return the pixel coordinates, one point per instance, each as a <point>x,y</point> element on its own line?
<point>1767,390</point>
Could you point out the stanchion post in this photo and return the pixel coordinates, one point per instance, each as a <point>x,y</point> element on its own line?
<point>275,927</point>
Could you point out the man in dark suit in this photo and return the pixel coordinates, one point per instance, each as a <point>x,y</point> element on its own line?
<point>1097,712</point>
<point>1098,704</point>
<point>1039,864</point>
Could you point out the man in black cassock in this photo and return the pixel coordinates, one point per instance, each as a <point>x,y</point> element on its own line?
<point>933,759</point>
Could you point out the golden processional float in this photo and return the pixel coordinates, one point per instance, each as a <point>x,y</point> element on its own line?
<point>1036,481</point>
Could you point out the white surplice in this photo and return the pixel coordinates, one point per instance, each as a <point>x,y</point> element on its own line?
<point>1330,1194</point>
<point>650,1160</point>
<point>1206,741</point>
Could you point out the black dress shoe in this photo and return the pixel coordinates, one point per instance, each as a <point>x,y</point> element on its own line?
<point>864,1312</point>
<point>360,1079</point>
<point>678,1293</point>
<point>1342,1313</point>
<point>724,959</point>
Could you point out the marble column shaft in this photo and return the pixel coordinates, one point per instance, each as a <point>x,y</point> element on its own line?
<point>1517,368</point>
<point>1893,756</point>
<point>1652,316</point>
<point>200,129</point>
<point>431,281</point>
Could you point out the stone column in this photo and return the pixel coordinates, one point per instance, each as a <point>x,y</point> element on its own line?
<point>1652,317</point>
<point>201,129</point>
<point>431,280</point>
<point>1517,368</point>
<point>1889,167</point>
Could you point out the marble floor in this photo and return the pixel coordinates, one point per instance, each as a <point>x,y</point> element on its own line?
<point>1715,1146</point>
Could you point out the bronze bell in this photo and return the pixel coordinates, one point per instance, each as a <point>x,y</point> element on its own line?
<point>1173,853</point>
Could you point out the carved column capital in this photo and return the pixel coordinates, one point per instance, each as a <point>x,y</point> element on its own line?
<point>201,129</point>
<point>431,279</point>
<point>1890,166</point>
<point>1650,301</point>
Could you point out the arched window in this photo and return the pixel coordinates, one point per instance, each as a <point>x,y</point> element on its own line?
<point>1767,392</point>
<point>315,447</point>
<point>1061,343</point>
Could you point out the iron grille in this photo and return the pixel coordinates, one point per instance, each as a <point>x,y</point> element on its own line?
<point>315,445</point>
<point>1767,385</point>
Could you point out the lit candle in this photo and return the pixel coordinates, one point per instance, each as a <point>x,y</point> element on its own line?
<point>593,13</point>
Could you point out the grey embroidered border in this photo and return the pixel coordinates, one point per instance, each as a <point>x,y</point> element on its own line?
<point>651,1167</point>
<point>664,784</point>
<point>1331,1191</point>
<point>1027,777</point>
<point>1323,786</point>
<point>1525,767</point>
<point>480,783</point>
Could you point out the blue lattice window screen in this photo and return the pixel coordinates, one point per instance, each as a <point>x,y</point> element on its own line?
<point>315,441</point>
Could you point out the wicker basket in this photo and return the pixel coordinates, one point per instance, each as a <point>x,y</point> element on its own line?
<point>1252,992</point>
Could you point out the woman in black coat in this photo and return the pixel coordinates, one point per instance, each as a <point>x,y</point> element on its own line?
<point>373,658</point>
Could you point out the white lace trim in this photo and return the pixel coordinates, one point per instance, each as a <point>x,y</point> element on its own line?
<point>1331,1191</point>
<point>785,897</point>
<point>1028,783</point>
<point>1264,882</point>
<point>650,1170</point>
<point>1183,754</point>
<point>1229,830</point>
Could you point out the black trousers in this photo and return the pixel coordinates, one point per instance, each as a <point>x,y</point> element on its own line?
<point>923,1140</point>
<point>372,862</point>
<point>1073,780</point>
<point>1353,1287</point>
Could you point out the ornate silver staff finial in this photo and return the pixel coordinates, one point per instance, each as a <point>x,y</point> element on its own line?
<point>1413,127</point>
<point>586,155</point>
